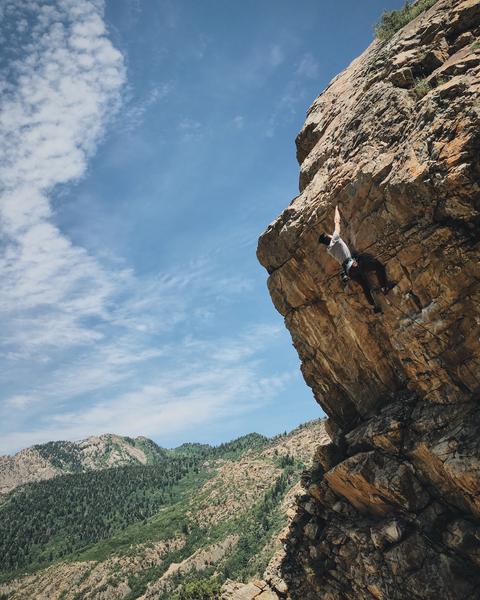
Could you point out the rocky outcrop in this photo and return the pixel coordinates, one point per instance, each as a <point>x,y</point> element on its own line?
<point>25,466</point>
<point>45,461</point>
<point>391,509</point>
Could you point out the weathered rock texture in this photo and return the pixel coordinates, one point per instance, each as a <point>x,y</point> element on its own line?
<point>392,506</point>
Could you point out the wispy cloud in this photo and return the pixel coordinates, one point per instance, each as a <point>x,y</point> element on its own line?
<point>294,92</point>
<point>207,381</point>
<point>190,129</point>
<point>87,345</point>
<point>134,110</point>
<point>276,55</point>
<point>19,402</point>
<point>308,67</point>
<point>238,121</point>
<point>54,110</point>
<point>200,46</point>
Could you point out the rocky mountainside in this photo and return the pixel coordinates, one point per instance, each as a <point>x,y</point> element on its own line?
<point>143,531</point>
<point>392,507</point>
<point>45,461</point>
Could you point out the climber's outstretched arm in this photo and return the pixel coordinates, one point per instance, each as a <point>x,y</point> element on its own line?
<point>337,221</point>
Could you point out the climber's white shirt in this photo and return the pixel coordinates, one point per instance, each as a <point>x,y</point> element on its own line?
<point>339,249</point>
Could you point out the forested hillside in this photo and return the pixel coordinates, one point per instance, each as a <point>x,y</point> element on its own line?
<point>44,521</point>
<point>90,453</point>
<point>201,514</point>
<point>44,461</point>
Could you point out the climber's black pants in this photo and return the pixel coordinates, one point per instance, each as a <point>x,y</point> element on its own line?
<point>368,264</point>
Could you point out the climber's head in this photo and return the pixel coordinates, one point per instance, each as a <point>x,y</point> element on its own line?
<point>324,239</point>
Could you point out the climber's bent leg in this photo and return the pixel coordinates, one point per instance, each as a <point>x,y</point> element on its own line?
<point>370,264</point>
<point>357,275</point>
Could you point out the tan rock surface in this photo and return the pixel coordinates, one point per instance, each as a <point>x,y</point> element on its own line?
<point>391,510</point>
<point>25,466</point>
<point>405,174</point>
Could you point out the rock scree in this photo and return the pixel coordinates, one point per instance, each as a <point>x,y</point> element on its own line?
<point>391,508</point>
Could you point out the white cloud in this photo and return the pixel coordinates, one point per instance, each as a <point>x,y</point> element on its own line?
<point>62,91</point>
<point>19,401</point>
<point>190,129</point>
<point>293,95</point>
<point>175,383</point>
<point>134,111</point>
<point>211,380</point>
<point>74,329</point>
<point>227,350</point>
<point>156,305</point>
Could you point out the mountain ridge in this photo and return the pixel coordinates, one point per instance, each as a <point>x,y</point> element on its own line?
<point>96,452</point>
<point>44,461</point>
<point>219,519</point>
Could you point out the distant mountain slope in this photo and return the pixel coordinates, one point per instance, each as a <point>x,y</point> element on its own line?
<point>45,461</point>
<point>141,531</point>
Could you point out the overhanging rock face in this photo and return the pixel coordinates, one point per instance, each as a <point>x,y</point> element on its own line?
<point>393,504</point>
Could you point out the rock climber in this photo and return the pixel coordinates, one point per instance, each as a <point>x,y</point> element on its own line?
<point>356,266</point>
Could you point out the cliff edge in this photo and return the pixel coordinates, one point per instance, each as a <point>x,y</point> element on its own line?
<point>392,505</point>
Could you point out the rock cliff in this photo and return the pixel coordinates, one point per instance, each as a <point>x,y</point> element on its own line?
<point>392,505</point>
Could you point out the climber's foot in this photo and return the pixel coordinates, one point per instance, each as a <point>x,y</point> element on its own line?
<point>390,285</point>
<point>377,309</point>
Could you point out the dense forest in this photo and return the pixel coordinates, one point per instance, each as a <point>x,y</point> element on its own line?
<point>47,520</point>
<point>227,450</point>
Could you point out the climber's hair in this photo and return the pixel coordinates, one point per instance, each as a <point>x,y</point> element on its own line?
<point>324,239</point>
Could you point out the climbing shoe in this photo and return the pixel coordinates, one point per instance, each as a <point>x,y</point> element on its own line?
<point>377,309</point>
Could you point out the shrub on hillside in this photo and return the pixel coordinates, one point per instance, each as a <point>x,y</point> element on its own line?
<point>421,89</point>
<point>201,589</point>
<point>393,20</point>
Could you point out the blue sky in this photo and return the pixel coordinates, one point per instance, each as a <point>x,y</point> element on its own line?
<point>145,146</point>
